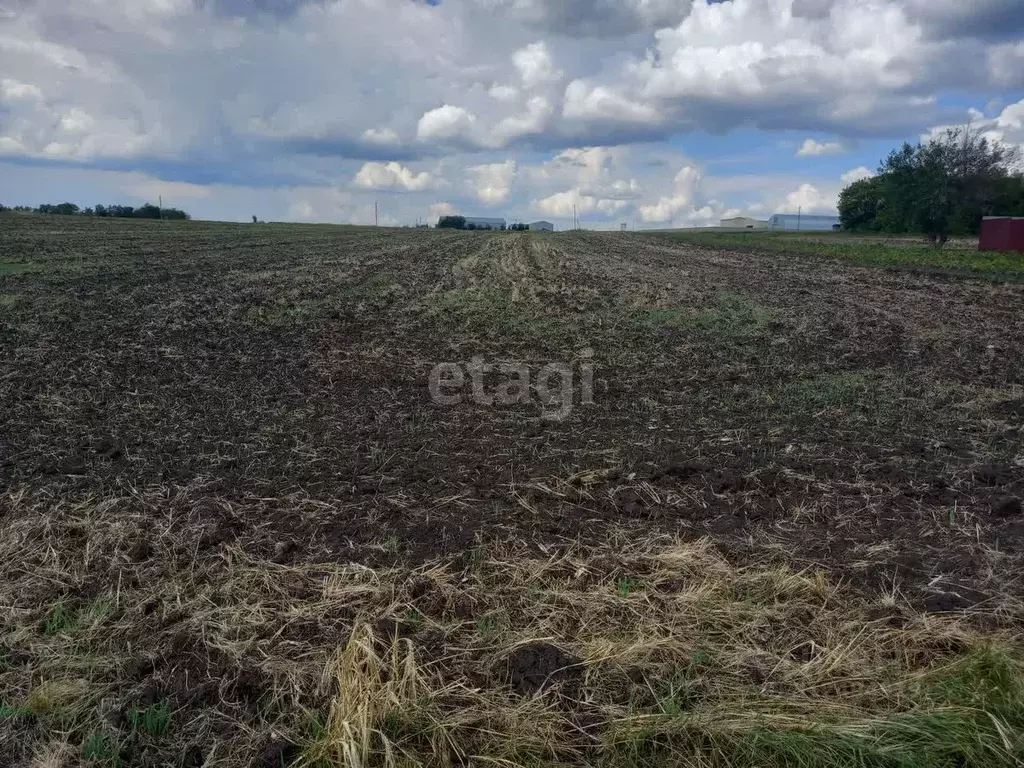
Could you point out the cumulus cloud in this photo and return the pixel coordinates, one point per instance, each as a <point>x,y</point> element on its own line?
<point>382,136</point>
<point>445,123</point>
<point>392,176</point>
<point>813,148</point>
<point>856,174</point>
<point>585,102</point>
<point>492,182</point>
<point>1005,128</point>
<point>564,204</point>
<point>685,184</point>
<point>534,120</point>
<point>535,65</point>
<point>12,90</point>
<point>811,199</point>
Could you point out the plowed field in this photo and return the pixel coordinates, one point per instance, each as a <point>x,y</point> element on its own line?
<point>691,506</point>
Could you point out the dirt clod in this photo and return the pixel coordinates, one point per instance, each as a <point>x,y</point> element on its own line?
<point>1008,506</point>
<point>538,666</point>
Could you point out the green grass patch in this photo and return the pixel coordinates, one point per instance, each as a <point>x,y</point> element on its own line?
<point>15,268</point>
<point>373,289</point>
<point>970,715</point>
<point>59,619</point>
<point>851,398</point>
<point>731,318</point>
<point>867,251</point>
<point>493,313</point>
<point>99,748</point>
<point>154,720</point>
<point>289,314</point>
<point>15,712</point>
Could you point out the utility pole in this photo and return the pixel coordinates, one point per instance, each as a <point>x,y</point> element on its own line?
<point>161,199</point>
<point>799,210</point>
<point>375,214</point>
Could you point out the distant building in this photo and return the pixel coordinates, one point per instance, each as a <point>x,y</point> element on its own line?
<point>744,222</point>
<point>803,221</point>
<point>477,222</point>
<point>542,226</point>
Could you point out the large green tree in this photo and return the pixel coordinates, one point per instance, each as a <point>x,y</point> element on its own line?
<point>939,188</point>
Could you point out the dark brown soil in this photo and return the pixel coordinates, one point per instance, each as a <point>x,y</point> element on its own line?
<point>269,388</point>
<point>264,392</point>
<point>537,666</point>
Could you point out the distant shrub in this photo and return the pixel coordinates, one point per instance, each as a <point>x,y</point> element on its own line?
<point>451,222</point>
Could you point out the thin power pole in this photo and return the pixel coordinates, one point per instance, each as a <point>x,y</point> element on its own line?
<point>375,214</point>
<point>161,199</point>
<point>799,210</point>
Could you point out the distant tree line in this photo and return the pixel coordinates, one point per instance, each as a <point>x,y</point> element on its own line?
<point>940,188</point>
<point>459,222</point>
<point>147,211</point>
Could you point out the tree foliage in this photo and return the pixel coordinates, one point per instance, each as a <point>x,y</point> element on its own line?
<point>451,222</point>
<point>941,188</point>
<point>147,211</point>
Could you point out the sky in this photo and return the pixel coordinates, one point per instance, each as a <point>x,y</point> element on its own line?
<point>652,113</point>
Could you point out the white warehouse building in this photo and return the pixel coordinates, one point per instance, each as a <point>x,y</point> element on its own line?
<point>804,221</point>
<point>542,226</point>
<point>743,222</point>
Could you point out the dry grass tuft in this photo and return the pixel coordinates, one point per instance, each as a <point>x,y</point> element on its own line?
<point>637,653</point>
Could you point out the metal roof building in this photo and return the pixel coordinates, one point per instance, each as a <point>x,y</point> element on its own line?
<point>743,222</point>
<point>479,222</point>
<point>803,221</point>
<point>542,226</point>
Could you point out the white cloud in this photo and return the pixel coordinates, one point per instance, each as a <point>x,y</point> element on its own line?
<point>391,176</point>
<point>12,90</point>
<point>535,65</point>
<point>813,148</point>
<point>585,102</point>
<point>811,199</point>
<point>856,174</point>
<point>503,92</point>
<point>562,204</point>
<point>683,195</point>
<point>538,113</point>
<point>492,183</point>
<point>382,136</point>
<point>437,210</point>
<point>1006,128</point>
<point>446,122</point>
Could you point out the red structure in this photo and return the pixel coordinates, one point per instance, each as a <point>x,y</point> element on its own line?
<point>1002,233</point>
